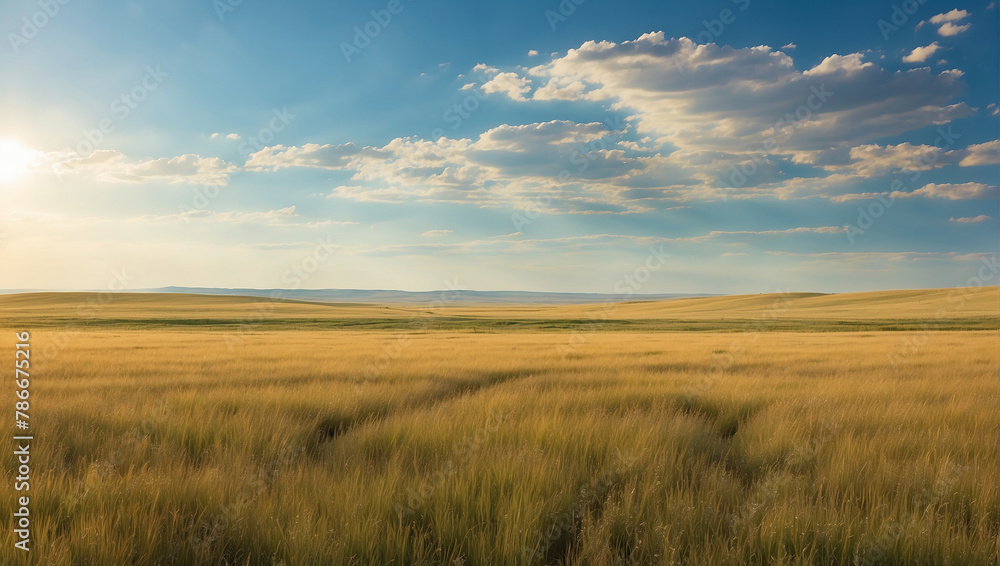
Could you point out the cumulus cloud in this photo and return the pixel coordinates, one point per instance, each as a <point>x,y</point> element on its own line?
<point>693,115</point>
<point>513,86</point>
<point>921,54</point>
<point>870,160</point>
<point>505,166</point>
<point>952,16</point>
<point>946,191</point>
<point>115,167</point>
<point>846,64</point>
<point>557,132</point>
<point>946,22</point>
<point>981,154</point>
<point>724,99</point>
<point>309,155</point>
<point>949,29</point>
<point>955,191</point>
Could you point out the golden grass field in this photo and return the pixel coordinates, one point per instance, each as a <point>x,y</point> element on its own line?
<point>764,429</point>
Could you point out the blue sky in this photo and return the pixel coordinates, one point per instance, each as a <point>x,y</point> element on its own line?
<point>545,146</point>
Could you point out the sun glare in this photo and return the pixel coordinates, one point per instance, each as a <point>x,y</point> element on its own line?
<point>15,160</point>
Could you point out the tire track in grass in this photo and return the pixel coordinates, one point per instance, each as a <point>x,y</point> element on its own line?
<point>559,540</point>
<point>327,428</point>
<point>725,424</point>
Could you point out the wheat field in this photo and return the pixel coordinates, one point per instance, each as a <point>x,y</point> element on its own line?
<point>765,429</point>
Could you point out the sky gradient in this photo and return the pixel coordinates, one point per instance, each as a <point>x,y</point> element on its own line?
<point>737,146</point>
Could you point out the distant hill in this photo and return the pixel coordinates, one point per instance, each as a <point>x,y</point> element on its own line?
<point>379,296</point>
<point>923,310</point>
<point>388,296</point>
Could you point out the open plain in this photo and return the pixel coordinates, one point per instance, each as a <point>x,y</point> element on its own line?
<point>766,429</point>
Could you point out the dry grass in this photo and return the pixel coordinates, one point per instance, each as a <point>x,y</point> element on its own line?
<point>389,447</point>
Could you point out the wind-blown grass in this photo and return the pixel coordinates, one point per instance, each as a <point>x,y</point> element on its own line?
<point>296,447</point>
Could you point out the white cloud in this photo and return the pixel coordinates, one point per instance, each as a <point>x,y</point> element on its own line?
<point>871,160</point>
<point>971,219</point>
<point>506,166</point>
<point>309,155</point>
<point>532,53</point>
<point>949,29</point>
<point>436,233</point>
<point>227,136</point>
<point>946,191</point>
<point>112,166</point>
<point>955,191</point>
<point>556,132</point>
<point>715,98</point>
<point>800,230</point>
<point>510,84</point>
<point>981,154</point>
<point>946,22</point>
<point>921,54</point>
<point>847,64</point>
<point>952,16</point>
<point>878,258</point>
<point>789,46</point>
<point>560,89</point>
<point>510,244</point>
<point>484,68</point>
<point>285,217</point>
<point>692,114</point>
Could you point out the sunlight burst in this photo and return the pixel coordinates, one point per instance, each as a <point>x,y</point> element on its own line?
<point>15,160</point>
